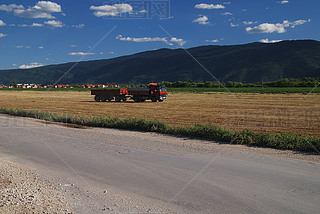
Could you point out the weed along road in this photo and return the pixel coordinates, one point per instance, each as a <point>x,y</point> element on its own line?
<point>114,171</point>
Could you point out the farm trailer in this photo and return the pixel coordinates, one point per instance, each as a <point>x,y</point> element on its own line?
<point>154,93</point>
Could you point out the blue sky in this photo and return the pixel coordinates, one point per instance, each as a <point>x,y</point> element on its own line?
<point>36,33</point>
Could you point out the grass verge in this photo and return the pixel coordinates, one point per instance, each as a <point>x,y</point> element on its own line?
<point>247,137</point>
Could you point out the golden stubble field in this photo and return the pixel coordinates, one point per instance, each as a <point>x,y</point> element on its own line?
<point>273,113</point>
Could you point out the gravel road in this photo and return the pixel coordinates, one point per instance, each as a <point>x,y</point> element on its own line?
<point>22,192</point>
<point>96,170</point>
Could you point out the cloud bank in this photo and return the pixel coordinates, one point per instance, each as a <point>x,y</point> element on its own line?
<point>32,65</point>
<point>10,7</point>
<point>42,9</point>
<point>275,28</point>
<point>181,42</point>
<point>111,10</point>
<point>269,41</point>
<point>80,54</point>
<point>209,6</point>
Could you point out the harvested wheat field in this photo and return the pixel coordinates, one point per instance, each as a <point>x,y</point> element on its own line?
<point>274,113</point>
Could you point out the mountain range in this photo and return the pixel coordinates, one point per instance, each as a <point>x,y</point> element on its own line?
<point>251,62</point>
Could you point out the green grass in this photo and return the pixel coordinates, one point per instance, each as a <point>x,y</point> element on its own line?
<point>247,90</point>
<point>216,133</point>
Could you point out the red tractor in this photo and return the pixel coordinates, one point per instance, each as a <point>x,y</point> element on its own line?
<point>154,93</point>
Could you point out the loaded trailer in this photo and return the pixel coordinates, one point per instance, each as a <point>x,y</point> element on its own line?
<point>109,94</point>
<point>154,93</point>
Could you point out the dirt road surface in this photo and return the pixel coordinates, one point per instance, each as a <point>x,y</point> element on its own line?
<point>114,171</point>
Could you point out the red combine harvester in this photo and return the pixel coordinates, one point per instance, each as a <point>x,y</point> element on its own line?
<point>154,93</point>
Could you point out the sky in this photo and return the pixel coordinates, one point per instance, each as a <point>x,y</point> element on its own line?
<point>37,33</point>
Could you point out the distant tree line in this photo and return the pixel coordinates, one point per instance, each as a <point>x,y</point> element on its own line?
<point>286,82</point>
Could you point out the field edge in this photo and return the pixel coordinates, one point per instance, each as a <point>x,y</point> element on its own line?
<point>283,141</point>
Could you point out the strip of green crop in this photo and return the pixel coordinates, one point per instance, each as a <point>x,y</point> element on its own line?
<point>210,132</point>
<point>247,90</point>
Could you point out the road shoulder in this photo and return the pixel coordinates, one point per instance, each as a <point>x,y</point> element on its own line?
<point>21,191</point>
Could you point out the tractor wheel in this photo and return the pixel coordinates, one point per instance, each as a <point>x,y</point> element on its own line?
<point>153,99</point>
<point>118,99</point>
<point>97,98</point>
<point>103,99</point>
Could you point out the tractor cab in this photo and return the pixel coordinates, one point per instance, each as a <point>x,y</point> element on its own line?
<point>159,92</point>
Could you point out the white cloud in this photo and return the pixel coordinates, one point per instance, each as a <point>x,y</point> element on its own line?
<point>21,46</point>
<point>234,25</point>
<point>275,28</point>
<point>78,26</point>
<point>33,25</point>
<point>267,28</point>
<point>3,35</point>
<point>181,42</point>
<point>209,6</point>
<point>297,22</point>
<point>111,10</point>
<point>143,11</point>
<point>269,41</point>
<point>36,25</point>
<point>2,23</point>
<point>10,7</point>
<point>111,52</point>
<point>42,9</point>
<point>214,40</point>
<point>284,2</point>
<point>80,54</point>
<point>247,22</point>
<point>73,46</point>
<point>48,6</point>
<point>227,2</point>
<point>226,14</point>
<point>203,20</point>
<point>143,39</point>
<point>40,47</point>
<point>54,23</point>
<point>32,65</point>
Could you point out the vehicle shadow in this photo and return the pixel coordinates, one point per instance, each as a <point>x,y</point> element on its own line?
<point>130,101</point>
